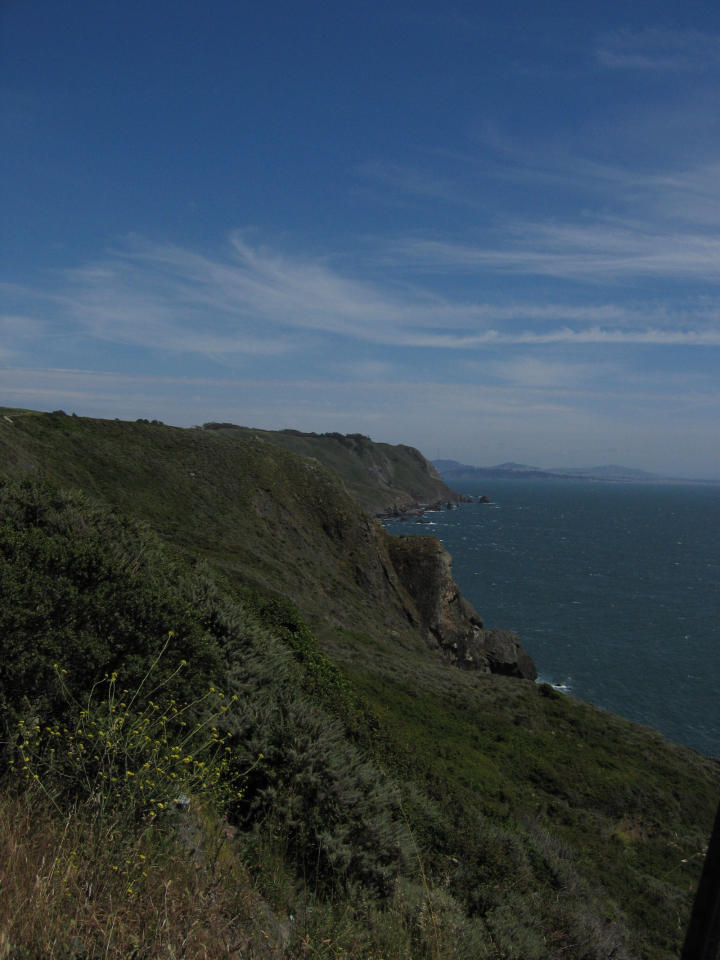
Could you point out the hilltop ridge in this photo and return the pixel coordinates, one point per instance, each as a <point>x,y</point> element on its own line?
<point>385,479</point>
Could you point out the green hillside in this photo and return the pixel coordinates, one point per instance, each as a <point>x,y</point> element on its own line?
<point>266,518</point>
<point>344,774</point>
<point>382,478</point>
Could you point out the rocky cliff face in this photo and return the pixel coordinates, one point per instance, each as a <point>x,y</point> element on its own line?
<point>423,567</point>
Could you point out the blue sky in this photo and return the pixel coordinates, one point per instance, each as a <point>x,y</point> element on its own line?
<point>487,230</point>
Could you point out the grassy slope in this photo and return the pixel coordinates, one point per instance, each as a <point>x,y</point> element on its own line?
<point>381,477</point>
<point>592,800</point>
<point>630,812</point>
<point>265,517</point>
<point>128,678</point>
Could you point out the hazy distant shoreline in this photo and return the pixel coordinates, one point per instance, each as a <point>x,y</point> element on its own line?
<point>451,470</point>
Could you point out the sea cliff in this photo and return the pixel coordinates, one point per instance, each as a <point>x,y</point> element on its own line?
<point>400,806</point>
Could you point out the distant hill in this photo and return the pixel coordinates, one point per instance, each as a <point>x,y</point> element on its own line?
<point>609,472</point>
<point>453,470</point>
<point>517,467</point>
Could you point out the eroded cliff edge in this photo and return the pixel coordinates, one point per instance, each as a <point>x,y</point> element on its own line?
<point>424,568</point>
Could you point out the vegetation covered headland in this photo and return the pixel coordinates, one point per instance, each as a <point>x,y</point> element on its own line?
<point>239,719</point>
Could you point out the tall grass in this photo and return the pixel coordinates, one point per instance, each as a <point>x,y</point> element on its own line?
<point>72,887</point>
<point>112,832</point>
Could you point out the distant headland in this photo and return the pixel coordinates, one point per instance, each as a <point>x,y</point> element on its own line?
<point>452,470</point>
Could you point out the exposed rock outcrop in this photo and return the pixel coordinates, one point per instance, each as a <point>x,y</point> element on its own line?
<point>506,654</point>
<point>434,602</point>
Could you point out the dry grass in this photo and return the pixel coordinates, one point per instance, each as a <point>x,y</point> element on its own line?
<point>67,891</point>
<point>71,891</point>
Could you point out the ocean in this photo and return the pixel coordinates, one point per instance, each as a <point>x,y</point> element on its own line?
<point>612,588</point>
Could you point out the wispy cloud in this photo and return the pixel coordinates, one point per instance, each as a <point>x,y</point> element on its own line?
<point>252,301</point>
<point>163,297</point>
<point>598,335</point>
<point>406,179</point>
<point>17,331</point>
<point>689,195</point>
<point>371,370</point>
<point>595,251</point>
<point>657,48</point>
<point>535,372</point>
<point>359,392</point>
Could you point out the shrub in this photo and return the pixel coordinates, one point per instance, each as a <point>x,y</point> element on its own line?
<point>93,595</point>
<point>126,762</point>
<point>85,587</point>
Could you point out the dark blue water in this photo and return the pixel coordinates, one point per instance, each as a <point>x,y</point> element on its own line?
<point>613,589</point>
